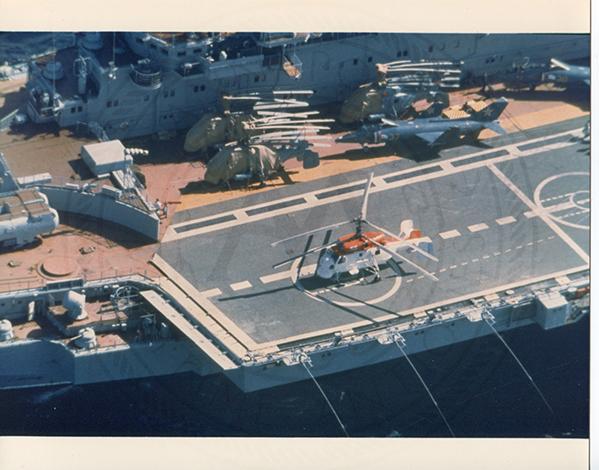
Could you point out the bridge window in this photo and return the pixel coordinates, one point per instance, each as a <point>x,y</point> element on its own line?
<point>109,104</point>
<point>369,59</point>
<point>164,51</point>
<point>147,98</point>
<point>172,93</point>
<point>355,61</point>
<point>181,54</point>
<point>257,78</point>
<point>202,87</point>
<point>196,89</point>
<point>152,46</point>
<point>430,48</point>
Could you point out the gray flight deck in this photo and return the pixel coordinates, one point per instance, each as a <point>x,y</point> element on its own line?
<point>498,220</point>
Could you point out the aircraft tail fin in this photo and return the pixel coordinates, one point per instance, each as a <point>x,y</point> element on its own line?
<point>491,112</point>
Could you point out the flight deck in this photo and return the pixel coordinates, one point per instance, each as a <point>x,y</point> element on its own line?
<point>499,217</point>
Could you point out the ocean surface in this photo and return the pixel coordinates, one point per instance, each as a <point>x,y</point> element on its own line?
<point>478,386</point>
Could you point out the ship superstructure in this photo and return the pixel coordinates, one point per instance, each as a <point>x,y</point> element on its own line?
<point>134,84</point>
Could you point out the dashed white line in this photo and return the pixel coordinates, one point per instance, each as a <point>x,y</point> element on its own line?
<point>530,244</point>
<point>211,292</point>
<point>497,253</point>
<point>541,212</point>
<point>486,256</point>
<point>572,214</point>
<point>442,270</point>
<point>274,277</point>
<point>508,250</point>
<point>477,227</point>
<point>475,260</point>
<point>519,247</point>
<point>505,220</point>
<point>241,285</point>
<point>449,234</point>
<point>464,263</point>
<point>557,197</point>
<point>453,266</point>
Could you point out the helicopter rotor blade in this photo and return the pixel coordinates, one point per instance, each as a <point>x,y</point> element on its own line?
<point>332,226</point>
<point>407,242</point>
<point>311,250</point>
<point>402,258</point>
<point>365,200</point>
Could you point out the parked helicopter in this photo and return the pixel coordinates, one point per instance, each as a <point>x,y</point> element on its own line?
<point>254,140</point>
<point>252,114</point>
<point>398,85</point>
<point>365,251</point>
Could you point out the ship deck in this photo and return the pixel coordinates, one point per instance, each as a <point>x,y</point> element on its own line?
<point>500,217</point>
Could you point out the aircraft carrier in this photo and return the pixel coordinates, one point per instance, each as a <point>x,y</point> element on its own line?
<point>509,222</point>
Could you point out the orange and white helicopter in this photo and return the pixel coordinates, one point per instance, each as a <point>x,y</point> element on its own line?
<point>363,251</point>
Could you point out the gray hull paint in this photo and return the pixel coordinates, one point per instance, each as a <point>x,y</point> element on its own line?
<point>332,69</point>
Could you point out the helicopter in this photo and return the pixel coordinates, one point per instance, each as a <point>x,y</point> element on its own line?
<point>363,252</point>
<point>399,86</point>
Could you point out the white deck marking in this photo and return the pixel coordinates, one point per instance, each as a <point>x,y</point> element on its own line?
<point>541,212</point>
<point>477,227</point>
<point>446,165</point>
<point>449,234</point>
<point>310,199</point>
<point>475,260</point>
<point>241,285</point>
<point>274,277</point>
<point>240,214</point>
<point>212,292</point>
<point>505,220</point>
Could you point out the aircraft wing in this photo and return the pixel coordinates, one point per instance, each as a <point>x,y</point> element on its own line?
<point>495,127</point>
<point>429,137</point>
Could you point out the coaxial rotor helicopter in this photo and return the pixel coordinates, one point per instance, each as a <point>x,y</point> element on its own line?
<point>362,251</point>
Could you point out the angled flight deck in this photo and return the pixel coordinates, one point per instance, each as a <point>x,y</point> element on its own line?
<point>498,218</point>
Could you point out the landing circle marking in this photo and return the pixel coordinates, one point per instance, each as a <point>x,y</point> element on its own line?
<point>579,200</point>
<point>296,280</point>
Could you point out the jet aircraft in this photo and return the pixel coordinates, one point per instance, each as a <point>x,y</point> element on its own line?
<point>433,132</point>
